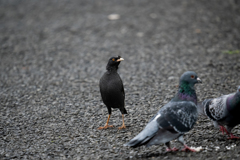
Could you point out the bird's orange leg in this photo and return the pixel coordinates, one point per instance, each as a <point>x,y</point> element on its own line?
<point>106,125</point>
<point>123,125</point>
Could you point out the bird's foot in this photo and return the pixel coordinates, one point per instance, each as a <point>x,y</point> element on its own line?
<point>105,127</point>
<point>122,127</point>
<point>188,149</point>
<point>172,149</point>
<point>223,130</point>
<point>233,137</point>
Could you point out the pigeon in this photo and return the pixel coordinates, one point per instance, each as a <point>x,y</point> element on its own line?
<point>112,91</point>
<point>174,119</point>
<point>222,111</point>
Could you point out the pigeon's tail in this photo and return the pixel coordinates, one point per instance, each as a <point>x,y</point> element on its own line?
<point>202,105</point>
<point>145,136</point>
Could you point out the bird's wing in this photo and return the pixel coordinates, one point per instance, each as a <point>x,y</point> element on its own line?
<point>180,115</point>
<point>102,89</point>
<point>215,109</point>
<point>201,106</point>
<point>103,85</point>
<point>120,84</point>
<point>122,90</point>
<point>111,85</point>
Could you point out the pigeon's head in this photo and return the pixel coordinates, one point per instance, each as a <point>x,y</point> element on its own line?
<point>238,93</point>
<point>238,90</point>
<point>189,78</point>
<point>113,62</point>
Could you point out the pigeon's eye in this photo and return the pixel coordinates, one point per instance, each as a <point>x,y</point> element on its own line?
<point>239,90</point>
<point>192,76</point>
<point>113,59</point>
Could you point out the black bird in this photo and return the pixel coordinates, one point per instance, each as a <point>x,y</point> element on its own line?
<point>112,91</point>
<point>174,119</point>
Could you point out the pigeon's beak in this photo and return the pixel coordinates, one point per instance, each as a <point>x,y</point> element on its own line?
<point>199,80</point>
<point>120,59</point>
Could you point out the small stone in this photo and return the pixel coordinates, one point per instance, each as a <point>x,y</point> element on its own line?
<point>113,16</point>
<point>140,34</point>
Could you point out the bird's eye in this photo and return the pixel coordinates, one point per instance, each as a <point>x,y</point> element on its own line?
<point>239,90</point>
<point>113,59</point>
<point>192,76</point>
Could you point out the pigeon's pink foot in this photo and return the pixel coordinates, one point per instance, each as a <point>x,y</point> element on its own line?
<point>223,129</point>
<point>171,149</point>
<point>188,149</point>
<point>233,137</point>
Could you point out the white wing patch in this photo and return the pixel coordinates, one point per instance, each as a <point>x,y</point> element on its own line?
<point>217,107</point>
<point>185,117</point>
<point>179,111</point>
<point>159,115</point>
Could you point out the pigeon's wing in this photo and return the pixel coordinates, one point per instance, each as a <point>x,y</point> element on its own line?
<point>174,119</point>
<point>201,107</point>
<point>215,109</point>
<point>181,115</point>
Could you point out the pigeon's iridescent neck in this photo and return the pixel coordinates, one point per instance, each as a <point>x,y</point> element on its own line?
<point>186,93</point>
<point>187,97</point>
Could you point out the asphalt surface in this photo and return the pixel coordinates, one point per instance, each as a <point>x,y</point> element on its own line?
<point>53,53</point>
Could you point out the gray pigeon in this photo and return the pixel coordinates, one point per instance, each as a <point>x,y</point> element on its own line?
<point>174,119</point>
<point>222,111</point>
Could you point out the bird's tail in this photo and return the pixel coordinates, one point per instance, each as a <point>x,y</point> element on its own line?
<point>123,111</point>
<point>145,136</point>
<point>202,105</point>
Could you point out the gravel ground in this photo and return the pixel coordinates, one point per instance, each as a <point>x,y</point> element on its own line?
<point>53,53</point>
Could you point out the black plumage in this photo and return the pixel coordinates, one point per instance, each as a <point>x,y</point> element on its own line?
<point>112,90</point>
<point>174,119</point>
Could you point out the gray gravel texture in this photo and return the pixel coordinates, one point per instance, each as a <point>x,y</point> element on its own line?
<point>53,53</point>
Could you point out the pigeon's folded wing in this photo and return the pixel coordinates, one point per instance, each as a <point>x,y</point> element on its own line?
<point>180,115</point>
<point>215,109</point>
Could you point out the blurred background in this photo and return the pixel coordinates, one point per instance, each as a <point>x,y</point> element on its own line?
<point>53,53</point>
